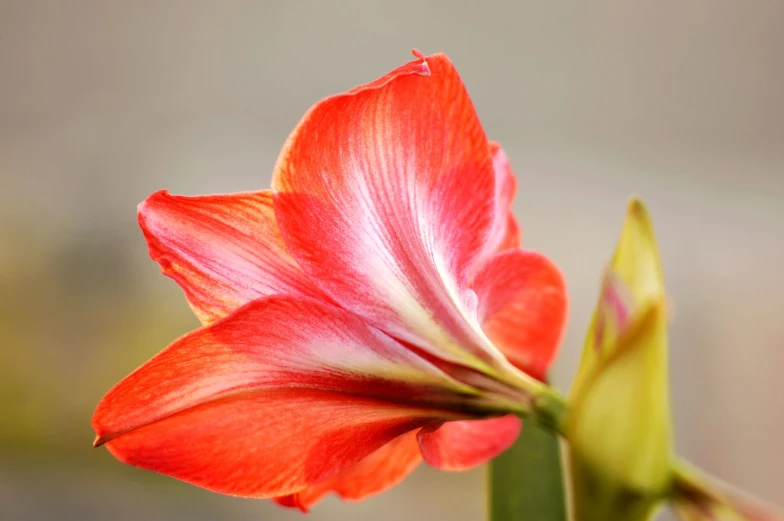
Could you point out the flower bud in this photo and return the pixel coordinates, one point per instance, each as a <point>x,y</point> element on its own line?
<point>618,419</point>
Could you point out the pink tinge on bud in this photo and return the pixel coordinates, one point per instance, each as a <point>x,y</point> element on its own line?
<point>615,306</point>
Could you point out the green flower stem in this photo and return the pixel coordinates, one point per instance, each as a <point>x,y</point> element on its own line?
<point>526,482</point>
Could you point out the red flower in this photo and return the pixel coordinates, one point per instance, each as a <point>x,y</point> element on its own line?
<point>371,310</point>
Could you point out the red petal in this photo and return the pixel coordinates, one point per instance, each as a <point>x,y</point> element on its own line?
<point>381,470</point>
<point>223,250</point>
<point>270,343</point>
<point>522,306</point>
<point>385,195</point>
<point>273,398</point>
<point>461,445</point>
<point>265,444</point>
<point>505,232</point>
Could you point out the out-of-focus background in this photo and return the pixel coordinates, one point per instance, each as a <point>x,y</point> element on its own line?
<point>103,102</point>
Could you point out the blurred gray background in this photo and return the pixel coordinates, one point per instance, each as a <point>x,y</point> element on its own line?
<point>104,102</point>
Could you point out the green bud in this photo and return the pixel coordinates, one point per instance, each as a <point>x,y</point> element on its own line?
<point>618,419</point>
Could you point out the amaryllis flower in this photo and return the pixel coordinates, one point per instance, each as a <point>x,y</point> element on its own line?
<point>371,310</point>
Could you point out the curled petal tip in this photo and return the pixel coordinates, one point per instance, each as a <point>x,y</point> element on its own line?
<point>425,68</point>
<point>292,501</point>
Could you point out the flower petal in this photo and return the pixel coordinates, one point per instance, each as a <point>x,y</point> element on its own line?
<point>522,306</point>
<point>461,445</point>
<point>270,343</point>
<point>379,471</point>
<point>277,396</point>
<point>385,195</point>
<point>505,232</point>
<point>223,250</point>
<point>269,443</point>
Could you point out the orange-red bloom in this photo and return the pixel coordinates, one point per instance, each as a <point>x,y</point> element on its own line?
<point>373,309</point>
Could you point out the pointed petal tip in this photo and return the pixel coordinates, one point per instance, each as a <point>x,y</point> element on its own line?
<point>143,207</point>
<point>100,440</point>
